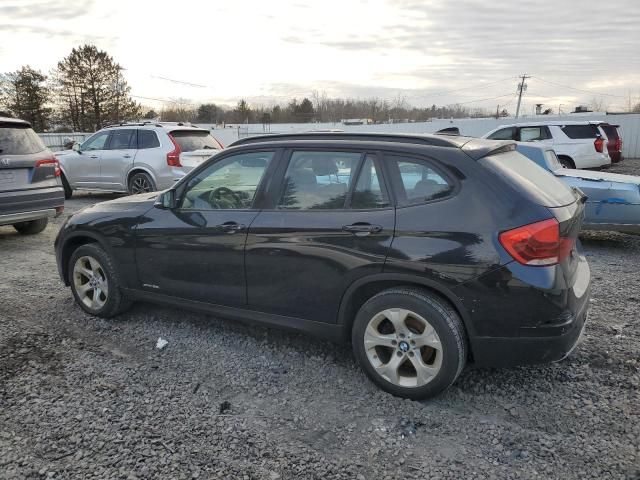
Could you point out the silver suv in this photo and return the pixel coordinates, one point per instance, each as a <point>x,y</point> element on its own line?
<point>135,157</point>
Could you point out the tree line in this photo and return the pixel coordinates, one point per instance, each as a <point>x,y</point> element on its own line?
<point>87,90</point>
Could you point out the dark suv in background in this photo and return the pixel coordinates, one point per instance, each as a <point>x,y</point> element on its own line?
<point>426,252</point>
<point>30,188</point>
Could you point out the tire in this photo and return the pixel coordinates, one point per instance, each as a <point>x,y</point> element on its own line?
<point>140,182</point>
<point>421,371</point>
<point>566,162</point>
<point>31,227</point>
<point>91,265</point>
<point>68,191</point>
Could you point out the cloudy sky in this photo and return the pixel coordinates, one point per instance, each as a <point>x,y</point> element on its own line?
<point>425,51</point>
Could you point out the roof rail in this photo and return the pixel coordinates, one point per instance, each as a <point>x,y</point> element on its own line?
<point>424,139</point>
<point>133,124</point>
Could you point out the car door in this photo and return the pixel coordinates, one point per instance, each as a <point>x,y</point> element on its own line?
<point>196,250</point>
<point>322,231</point>
<point>82,167</point>
<point>117,158</point>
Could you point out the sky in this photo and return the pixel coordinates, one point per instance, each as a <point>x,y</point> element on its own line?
<point>424,52</point>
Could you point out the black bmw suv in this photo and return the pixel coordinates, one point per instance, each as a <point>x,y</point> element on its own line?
<point>426,252</point>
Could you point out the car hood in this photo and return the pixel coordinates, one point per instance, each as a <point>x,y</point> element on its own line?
<point>597,176</point>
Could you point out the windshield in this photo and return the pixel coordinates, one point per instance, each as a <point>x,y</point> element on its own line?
<point>190,140</point>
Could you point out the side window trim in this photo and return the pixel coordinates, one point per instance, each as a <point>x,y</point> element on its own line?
<point>400,195</point>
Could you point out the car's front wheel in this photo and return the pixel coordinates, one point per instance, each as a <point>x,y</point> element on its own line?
<point>409,342</point>
<point>31,227</point>
<point>95,283</point>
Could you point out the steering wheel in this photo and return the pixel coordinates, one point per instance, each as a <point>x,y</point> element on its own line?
<point>215,196</point>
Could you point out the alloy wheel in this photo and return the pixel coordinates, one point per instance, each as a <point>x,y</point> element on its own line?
<point>140,184</point>
<point>403,347</point>
<point>90,282</point>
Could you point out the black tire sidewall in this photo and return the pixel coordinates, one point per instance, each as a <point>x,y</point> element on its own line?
<point>450,368</point>
<point>114,298</point>
<point>140,174</point>
<point>68,191</point>
<point>31,227</point>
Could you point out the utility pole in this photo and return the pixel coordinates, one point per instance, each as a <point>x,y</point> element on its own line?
<point>522,87</point>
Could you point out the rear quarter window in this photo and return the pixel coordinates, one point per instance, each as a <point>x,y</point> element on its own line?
<point>580,131</point>
<point>19,140</point>
<point>528,178</point>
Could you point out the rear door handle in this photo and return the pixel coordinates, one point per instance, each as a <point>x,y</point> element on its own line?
<point>93,156</point>
<point>231,227</point>
<point>127,156</point>
<point>362,229</point>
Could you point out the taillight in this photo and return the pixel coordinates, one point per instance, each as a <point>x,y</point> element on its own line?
<point>619,145</point>
<point>173,157</point>
<point>48,162</point>
<point>537,244</point>
<point>599,144</point>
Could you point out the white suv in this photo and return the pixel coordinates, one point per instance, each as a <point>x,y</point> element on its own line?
<point>135,157</point>
<point>577,144</point>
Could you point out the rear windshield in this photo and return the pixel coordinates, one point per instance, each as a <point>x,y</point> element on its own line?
<point>581,131</point>
<point>190,140</point>
<point>19,140</point>
<point>525,176</point>
<point>611,131</point>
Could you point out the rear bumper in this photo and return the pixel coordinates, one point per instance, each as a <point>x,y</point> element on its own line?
<point>613,227</point>
<point>12,218</point>
<point>556,344</point>
<point>24,205</point>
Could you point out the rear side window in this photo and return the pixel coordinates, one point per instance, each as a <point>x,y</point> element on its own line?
<point>147,139</point>
<point>530,179</point>
<point>503,134</point>
<point>190,140</point>
<point>531,134</point>
<point>318,180</point>
<point>368,193</point>
<point>419,181</point>
<point>122,139</point>
<point>580,131</point>
<point>19,140</point>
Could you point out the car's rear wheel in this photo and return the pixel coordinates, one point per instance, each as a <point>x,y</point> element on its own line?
<point>94,282</point>
<point>141,183</point>
<point>409,342</point>
<point>31,227</point>
<point>566,162</point>
<point>68,191</point>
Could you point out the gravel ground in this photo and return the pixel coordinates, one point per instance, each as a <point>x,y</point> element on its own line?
<point>82,397</point>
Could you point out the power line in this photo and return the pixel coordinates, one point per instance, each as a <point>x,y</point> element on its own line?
<point>592,92</point>
<point>446,92</point>
<point>179,81</point>
<point>484,99</point>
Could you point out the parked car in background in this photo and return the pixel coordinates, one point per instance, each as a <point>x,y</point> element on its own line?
<point>409,246</point>
<point>613,200</point>
<point>135,157</point>
<point>577,144</point>
<point>30,187</point>
<point>614,141</point>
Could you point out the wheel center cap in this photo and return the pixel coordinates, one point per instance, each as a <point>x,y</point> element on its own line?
<point>403,346</point>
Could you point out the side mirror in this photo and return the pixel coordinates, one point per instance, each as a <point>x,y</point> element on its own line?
<point>76,148</point>
<point>166,200</point>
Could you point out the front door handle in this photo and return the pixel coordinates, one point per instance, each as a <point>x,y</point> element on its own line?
<point>93,156</point>
<point>362,229</point>
<point>231,227</point>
